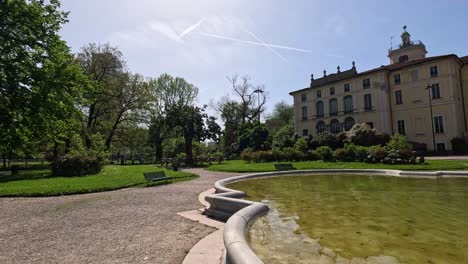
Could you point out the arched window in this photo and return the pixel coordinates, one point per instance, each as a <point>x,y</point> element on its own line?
<point>349,123</point>
<point>335,126</point>
<point>321,127</point>
<point>333,106</point>
<point>348,104</point>
<point>320,109</point>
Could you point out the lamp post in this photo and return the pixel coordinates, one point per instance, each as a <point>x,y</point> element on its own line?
<point>428,88</point>
<point>258,92</point>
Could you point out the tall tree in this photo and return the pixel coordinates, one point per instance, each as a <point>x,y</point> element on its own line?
<point>104,65</point>
<point>252,98</point>
<point>171,95</point>
<point>244,109</point>
<point>39,83</point>
<point>128,98</point>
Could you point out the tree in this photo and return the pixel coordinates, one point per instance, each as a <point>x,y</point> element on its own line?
<point>282,115</point>
<point>252,98</point>
<point>39,82</point>
<point>169,94</point>
<point>128,98</point>
<point>103,64</point>
<point>246,108</point>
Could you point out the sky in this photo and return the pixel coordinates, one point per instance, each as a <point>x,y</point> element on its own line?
<point>279,44</point>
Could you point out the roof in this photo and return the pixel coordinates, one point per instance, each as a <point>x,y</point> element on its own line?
<point>464,59</point>
<point>390,67</point>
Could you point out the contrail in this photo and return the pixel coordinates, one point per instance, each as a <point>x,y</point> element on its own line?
<point>191,28</point>
<point>264,44</point>
<point>254,43</point>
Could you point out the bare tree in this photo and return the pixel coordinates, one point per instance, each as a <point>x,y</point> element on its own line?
<point>252,97</point>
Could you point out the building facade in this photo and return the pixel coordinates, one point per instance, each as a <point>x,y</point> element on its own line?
<point>422,98</point>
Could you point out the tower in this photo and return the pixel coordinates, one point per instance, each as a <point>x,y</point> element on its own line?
<point>408,50</point>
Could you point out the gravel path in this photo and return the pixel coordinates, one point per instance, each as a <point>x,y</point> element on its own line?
<point>136,225</point>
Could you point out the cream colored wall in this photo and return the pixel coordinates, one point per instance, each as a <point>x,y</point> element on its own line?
<point>380,116</point>
<point>415,108</point>
<point>414,52</point>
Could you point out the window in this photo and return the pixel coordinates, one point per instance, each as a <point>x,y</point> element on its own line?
<point>303,97</point>
<point>435,91</point>
<point>319,93</point>
<point>367,102</point>
<point>348,104</point>
<point>335,127</point>
<point>346,87</point>
<point>370,124</point>
<point>440,147</point>
<point>403,58</point>
<point>434,71</point>
<point>397,78</point>
<point>333,106</point>
<point>320,109</point>
<point>304,112</point>
<point>332,90</point>
<point>366,83</point>
<point>414,75</point>
<point>398,97</point>
<point>438,124</point>
<point>401,127</point>
<point>349,123</point>
<point>321,127</point>
<point>305,133</point>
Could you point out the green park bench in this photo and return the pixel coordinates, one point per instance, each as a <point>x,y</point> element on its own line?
<point>284,166</point>
<point>156,176</point>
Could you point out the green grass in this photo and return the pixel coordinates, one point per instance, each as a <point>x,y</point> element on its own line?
<point>112,177</point>
<point>242,166</point>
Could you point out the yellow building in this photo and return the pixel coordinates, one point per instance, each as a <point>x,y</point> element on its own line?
<point>394,98</point>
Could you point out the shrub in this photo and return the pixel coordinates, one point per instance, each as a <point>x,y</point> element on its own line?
<point>376,154</point>
<point>81,161</point>
<point>361,153</point>
<point>218,156</point>
<point>277,155</point>
<point>76,165</point>
<point>325,153</point>
<point>312,155</point>
<point>247,155</point>
<point>399,151</point>
<point>301,145</point>
<point>325,139</point>
<point>340,154</point>
<point>364,135</point>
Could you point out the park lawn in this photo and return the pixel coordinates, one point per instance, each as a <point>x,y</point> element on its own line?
<point>433,165</point>
<point>112,177</point>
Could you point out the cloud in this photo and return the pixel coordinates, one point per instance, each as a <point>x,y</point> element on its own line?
<point>191,28</point>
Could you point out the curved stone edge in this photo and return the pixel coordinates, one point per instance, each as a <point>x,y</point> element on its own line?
<point>227,204</point>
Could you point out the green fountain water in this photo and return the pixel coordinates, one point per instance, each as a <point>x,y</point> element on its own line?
<point>359,219</point>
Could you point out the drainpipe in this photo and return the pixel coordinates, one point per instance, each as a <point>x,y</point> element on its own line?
<point>390,102</point>
<point>463,96</point>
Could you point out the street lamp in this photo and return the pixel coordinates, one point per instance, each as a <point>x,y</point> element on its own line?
<point>428,88</point>
<point>258,92</point>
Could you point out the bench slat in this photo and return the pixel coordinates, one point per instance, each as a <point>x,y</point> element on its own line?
<point>156,176</point>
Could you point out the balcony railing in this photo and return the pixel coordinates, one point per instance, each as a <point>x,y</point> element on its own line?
<point>412,43</point>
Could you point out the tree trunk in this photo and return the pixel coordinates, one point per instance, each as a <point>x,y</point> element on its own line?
<point>188,149</point>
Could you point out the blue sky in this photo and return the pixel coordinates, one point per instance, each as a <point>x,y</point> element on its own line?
<point>225,37</point>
